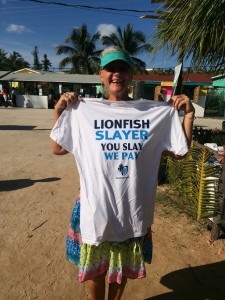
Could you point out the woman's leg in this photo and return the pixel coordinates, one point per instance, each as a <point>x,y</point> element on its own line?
<point>96,287</point>
<point>116,290</point>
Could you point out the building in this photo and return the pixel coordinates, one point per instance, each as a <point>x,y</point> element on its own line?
<point>39,83</point>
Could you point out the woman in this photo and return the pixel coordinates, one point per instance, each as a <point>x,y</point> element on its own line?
<point>117,144</point>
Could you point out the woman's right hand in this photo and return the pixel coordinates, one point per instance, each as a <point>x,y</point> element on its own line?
<point>66,99</point>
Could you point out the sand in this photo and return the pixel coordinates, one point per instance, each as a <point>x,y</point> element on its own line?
<point>37,192</point>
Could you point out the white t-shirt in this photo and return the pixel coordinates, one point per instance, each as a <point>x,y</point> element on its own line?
<point>118,147</point>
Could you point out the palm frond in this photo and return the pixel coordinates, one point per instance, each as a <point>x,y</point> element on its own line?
<point>197,182</point>
<point>134,42</point>
<point>193,29</point>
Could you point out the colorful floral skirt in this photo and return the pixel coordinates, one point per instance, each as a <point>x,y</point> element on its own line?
<point>119,259</point>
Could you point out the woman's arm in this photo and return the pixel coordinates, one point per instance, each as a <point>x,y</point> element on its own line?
<point>188,126</point>
<point>56,148</point>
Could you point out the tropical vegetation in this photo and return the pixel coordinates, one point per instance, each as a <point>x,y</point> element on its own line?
<point>196,178</point>
<point>12,62</point>
<point>193,29</point>
<point>81,52</point>
<point>46,64</point>
<point>36,65</point>
<point>134,42</point>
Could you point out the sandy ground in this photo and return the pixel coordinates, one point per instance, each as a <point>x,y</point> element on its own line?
<point>37,191</point>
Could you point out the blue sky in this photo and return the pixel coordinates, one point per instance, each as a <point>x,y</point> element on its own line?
<point>26,24</point>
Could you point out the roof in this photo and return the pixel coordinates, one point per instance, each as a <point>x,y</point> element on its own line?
<point>27,70</point>
<point>3,73</point>
<point>197,77</point>
<point>153,77</point>
<point>29,75</point>
<point>187,77</point>
<point>50,77</point>
<point>218,76</point>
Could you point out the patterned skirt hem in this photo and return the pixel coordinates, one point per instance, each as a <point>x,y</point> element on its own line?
<point>125,259</point>
<point>111,278</point>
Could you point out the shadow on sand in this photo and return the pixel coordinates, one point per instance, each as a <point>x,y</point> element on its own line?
<point>11,185</point>
<point>21,127</point>
<point>16,127</point>
<point>205,282</point>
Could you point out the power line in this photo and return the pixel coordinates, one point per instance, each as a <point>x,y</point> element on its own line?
<point>26,9</point>
<point>89,6</point>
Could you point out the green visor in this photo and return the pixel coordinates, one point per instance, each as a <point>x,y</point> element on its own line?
<point>115,55</point>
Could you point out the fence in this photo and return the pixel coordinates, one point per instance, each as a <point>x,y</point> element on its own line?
<point>209,106</point>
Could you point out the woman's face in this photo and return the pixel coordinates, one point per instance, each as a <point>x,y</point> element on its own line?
<point>116,76</point>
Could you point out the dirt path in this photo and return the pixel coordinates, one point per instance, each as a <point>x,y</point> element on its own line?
<point>37,192</point>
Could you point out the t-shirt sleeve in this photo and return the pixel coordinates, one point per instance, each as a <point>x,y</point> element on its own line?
<point>62,131</point>
<point>175,138</point>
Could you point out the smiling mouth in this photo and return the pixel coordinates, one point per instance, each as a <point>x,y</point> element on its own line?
<point>117,81</point>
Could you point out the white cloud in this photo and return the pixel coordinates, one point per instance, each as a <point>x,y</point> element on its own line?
<point>106,29</point>
<point>17,28</point>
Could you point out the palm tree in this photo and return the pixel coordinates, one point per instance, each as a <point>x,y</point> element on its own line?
<point>3,60</point>
<point>193,29</point>
<point>81,51</point>
<point>134,42</point>
<point>15,62</point>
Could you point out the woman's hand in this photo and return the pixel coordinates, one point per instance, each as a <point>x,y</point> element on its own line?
<point>66,99</point>
<point>182,102</point>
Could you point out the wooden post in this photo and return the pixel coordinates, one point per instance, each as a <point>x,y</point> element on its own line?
<point>157,92</point>
<point>196,94</point>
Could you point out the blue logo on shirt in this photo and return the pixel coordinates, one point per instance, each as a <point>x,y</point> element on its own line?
<point>123,169</point>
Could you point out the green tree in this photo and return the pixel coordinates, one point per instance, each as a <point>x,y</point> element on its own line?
<point>193,29</point>
<point>134,42</point>
<point>36,65</point>
<point>168,71</point>
<point>46,64</point>
<point>3,60</point>
<point>15,62</point>
<point>81,50</point>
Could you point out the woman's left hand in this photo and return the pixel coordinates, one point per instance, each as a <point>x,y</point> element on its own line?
<point>182,102</point>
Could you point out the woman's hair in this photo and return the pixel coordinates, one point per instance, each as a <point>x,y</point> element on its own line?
<point>112,49</point>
